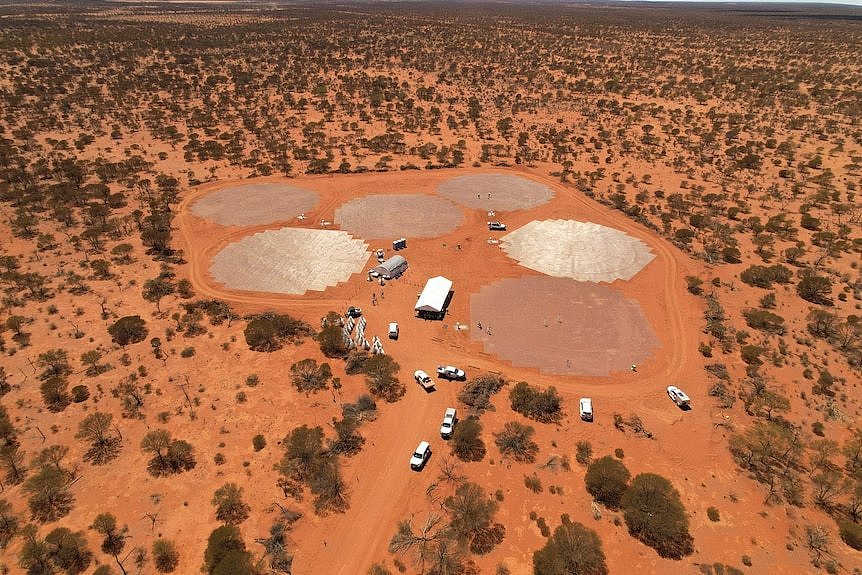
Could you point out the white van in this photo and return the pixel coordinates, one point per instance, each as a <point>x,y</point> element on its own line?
<point>393,330</point>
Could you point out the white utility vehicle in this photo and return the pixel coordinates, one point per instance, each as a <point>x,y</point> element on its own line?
<point>422,379</point>
<point>420,456</point>
<point>586,408</point>
<point>678,396</point>
<point>450,372</point>
<point>449,419</point>
<point>393,330</point>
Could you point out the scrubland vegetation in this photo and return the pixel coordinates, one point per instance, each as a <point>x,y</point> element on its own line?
<point>736,137</point>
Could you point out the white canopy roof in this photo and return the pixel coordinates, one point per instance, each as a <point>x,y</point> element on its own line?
<point>434,296</point>
<point>391,265</point>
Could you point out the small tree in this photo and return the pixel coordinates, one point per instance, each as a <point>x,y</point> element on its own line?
<point>114,538</point>
<point>8,524</point>
<point>655,515</point>
<point>50,497</point>
<point>815,289</point>
<point>261,335</point>
<point>331,340</point>
<point>165,556</point>
<point>225,553</point>
<point>543,406</point>
<point>170,455</point>
<point>471,512</point>
<point>467,442</point>
<point>381,378</point>
<point>68,550</point>
<point>606,480</point>
<point>573,548</point>
<point>230,508</point>
<point>516,441</point>
<point>156,289</point>
<point>129,329</point>
<point>308,376</point>
<point>477,392</point>
<point>104,442</point>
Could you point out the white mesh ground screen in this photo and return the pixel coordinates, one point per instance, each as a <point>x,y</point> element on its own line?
<point>498,192</point>
<point>399,215</point>
<point>579,250</point>
<point>255,204</point>
<point>289,261</point>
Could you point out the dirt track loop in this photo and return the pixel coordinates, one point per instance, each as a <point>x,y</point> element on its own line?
<point>383,490</point>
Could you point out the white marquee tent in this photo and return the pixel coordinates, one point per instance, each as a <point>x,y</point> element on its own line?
<point>433,299</point>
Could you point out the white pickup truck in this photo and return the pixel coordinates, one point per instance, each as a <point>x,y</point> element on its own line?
<point>422,379</point>
<point>449,419</point>
<point>450,372</point>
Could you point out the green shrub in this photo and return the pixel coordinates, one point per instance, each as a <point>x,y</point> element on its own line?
<point>543,406</point>
<point>573,548</point>
<point>533,483</point>
<point>764,320</point>
<point>467,442</point>
<point>584,452</point>
<point>606,480</point>
<point>655,515</point>
<point>477,392</point>
<point>258,442</point>
<point>713,514</point>
<point>851,534</point>
<point>129,329</point>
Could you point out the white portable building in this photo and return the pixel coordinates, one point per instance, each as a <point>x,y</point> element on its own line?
<point>434,298</point>
<point>391,268</point>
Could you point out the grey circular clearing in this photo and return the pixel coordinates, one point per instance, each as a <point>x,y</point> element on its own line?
<point>289,261</point>
<point>398,215</point>
<point>561,326</point>
<point>579,250</point>
<point>500,192</point>
<point>255,204</point>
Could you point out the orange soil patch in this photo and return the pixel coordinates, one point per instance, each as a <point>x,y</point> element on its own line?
<point>560,326</point>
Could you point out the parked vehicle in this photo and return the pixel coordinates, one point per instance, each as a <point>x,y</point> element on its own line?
<point>678,396</point>
<point>422,379</point>
<point>380,255</point>
<point>496,226</point>
<point>420,456</point>
<point>393,330</point>
<point>586,409</point>
<point>354,311</point>
<point>450,372</point>
<point>449,418</point>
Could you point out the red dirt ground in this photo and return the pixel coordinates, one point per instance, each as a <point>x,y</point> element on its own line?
<point>560,326</point>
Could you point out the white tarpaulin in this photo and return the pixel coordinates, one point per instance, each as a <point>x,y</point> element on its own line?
<point>433,297</point>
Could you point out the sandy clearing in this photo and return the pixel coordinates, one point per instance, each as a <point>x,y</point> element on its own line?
<point>254,204</point>
<point>561,326</point>
<point>496,192</point>
<point>398,215</point>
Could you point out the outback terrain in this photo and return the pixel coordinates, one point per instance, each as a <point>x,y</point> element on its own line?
<point>680,189</point>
